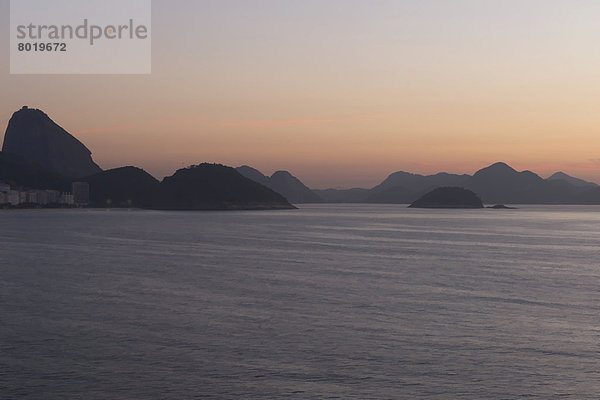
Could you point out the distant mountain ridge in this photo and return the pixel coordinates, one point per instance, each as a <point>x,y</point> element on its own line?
<point>283,183</point>
<point>497,183</point>
<point>404,187</point>
<point>573,181</point>
<point>420,182</point>
<point>39,154</point>
<point>500,183</point>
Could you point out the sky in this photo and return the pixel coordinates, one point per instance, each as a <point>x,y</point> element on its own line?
<point>341,93</point>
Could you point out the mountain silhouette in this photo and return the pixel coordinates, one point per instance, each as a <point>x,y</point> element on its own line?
<point>495,184</point>
<point>571,180</point>
<point>500,183</point>
<point>123,187</point>
<point>404,187</point>
<point>283,183</point>
<point>39,154</point>
<point>34,136</point>
<point>418,183</point>
<point>254,174</point>
<point>199,187</point>
<point>216,187</point>
<point>292,188</point>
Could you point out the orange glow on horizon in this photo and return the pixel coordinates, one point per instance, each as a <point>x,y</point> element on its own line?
<point>345,94</point>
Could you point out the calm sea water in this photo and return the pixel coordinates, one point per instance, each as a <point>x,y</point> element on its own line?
<point>325,302</point>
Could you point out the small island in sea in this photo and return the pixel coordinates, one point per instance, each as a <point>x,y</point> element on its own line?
<point>448,197</point>
<point>502,207</point>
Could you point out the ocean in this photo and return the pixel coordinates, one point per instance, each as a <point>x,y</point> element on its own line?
<point>324,302</point>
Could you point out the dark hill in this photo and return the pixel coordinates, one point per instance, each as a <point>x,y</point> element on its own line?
<point>580,183</point>
<point>420,183</point>
<point>19,172</point>
<point>216,187</point>
<point>283,183</point>
<point>254,174</point>
<point>123,187</point>
<point>292,188</point>
<point>448,197</point>
<point>499,183</point>
<point>34,136</point>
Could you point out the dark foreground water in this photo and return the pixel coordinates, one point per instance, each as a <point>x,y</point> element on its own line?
<point>363,302</point>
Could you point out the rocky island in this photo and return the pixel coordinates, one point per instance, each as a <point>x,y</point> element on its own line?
<point>283,183</point>
<point>502,207</point>
<point>448,197</point>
